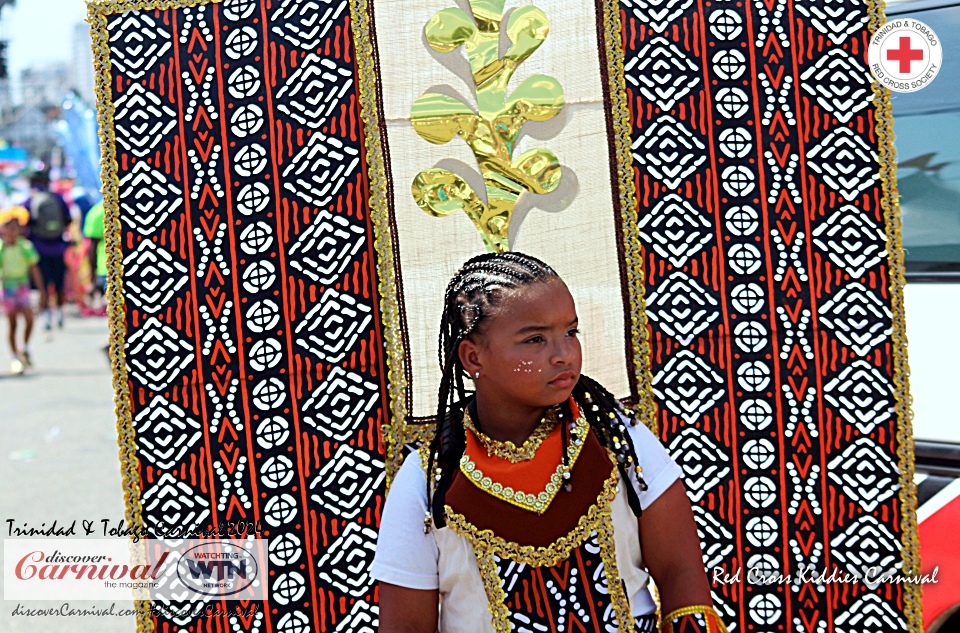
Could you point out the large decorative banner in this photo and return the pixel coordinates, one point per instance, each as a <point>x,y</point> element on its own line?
<point>290,185</point>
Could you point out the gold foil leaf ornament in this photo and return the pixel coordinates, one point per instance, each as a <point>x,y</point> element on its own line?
<point>493,130</point>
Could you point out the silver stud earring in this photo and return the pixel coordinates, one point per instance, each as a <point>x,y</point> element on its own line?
<point>476,375</point>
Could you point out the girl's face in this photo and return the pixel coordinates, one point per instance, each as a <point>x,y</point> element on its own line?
<point>529,353</point>
<point>10,231</point>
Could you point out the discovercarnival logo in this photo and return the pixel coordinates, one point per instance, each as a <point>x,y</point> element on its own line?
<point>905,55</point>
<point>118,569</point>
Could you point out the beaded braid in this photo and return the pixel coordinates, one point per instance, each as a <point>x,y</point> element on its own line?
<point>471,297</point>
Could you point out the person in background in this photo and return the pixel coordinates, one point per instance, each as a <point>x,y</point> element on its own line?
<point>18,265</point>
<point>93,230</point>
<point>49,221</point>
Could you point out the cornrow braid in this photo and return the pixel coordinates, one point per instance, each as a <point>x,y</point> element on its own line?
<point>471,297</point>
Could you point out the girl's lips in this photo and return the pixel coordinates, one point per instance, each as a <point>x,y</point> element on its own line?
<point>564,381</point>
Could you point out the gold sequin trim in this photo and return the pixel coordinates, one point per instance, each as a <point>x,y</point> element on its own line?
<point>396,433</point>
<point>534,502</point>
<point>508,450</point>
<point>487,545</point>
<point>612,56</point>
<point>889,202</point>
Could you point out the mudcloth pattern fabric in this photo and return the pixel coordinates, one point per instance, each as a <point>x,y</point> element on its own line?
<point>275,286</point>
<point>248,356</point>
<point>763,161</point>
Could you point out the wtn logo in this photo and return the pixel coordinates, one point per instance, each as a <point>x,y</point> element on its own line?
<point>217,570</point>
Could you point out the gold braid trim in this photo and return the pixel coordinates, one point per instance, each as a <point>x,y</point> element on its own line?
<point>612,56</point>
<point>487,545</point>
<point>395,432</point>
<point>666,623</point>
<point>890,203</point>
<point>97,16</point>
<point>496,598</point>
<point>508,450</point>
<point>484,541</point>
<point>533,502</point>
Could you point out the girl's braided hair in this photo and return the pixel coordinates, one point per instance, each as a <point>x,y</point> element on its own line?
<point>472,296</point>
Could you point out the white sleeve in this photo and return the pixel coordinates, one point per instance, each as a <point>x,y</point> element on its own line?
<point>406,556</point>
<point>658,469</point>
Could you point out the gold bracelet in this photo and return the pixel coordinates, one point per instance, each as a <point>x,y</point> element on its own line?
<point>711,619</point>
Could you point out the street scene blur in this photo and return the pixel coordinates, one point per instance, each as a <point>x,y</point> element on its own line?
<point>57,430</point>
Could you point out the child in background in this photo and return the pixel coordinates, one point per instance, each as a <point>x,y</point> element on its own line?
<point>524,512</point>
<point>93,230</point>
<point>18,265</point>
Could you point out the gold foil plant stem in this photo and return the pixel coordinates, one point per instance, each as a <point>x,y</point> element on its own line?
<point>492,132</point>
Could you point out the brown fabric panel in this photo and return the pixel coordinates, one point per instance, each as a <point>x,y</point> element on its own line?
<point>524,527</point>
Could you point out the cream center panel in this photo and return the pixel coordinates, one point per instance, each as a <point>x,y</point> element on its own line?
<point>573,228</point>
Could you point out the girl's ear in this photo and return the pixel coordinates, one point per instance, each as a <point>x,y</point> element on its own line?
<point>469,352</point>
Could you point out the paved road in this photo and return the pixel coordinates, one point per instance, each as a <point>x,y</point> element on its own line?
<point>58,452</point>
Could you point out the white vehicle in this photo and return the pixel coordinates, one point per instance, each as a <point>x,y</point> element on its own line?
<point>927,128</point>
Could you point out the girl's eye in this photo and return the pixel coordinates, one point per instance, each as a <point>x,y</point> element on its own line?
<point>534,339</point>
<point>574,332</point>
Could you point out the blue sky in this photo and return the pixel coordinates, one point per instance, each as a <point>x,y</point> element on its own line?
<point>40,31</point>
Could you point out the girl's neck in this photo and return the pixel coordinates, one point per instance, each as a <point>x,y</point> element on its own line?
<point>503,423</point>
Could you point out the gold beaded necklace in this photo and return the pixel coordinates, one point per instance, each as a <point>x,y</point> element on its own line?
<point>508,450</point>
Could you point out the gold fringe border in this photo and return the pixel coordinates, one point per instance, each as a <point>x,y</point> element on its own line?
<point>645,407</point>
<point>395,432</point>
<point>97,16</point>
<point>890,203</point>
<point>486,545</point>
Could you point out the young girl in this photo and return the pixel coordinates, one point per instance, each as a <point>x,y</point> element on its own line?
<point>531,507</point>
<point>18,265</point>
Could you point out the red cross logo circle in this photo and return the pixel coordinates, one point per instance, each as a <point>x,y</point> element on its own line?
<point>905,55</point>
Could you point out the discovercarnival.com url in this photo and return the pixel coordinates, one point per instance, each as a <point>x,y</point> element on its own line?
<point>65,610</point>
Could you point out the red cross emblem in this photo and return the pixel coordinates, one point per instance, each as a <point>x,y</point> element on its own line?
<point>905,55</point>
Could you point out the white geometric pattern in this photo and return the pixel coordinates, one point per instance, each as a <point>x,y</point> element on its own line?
<point>675,229</point>
<point>346,563</point>
<point>152,276</point>
<point>687,386</point>
<point>869,614</point>
<point>332,327</point>
<point>658,13</point>
<point>166,432</point>
<point>669,151</point>
<point>704,464</point>
<point>861,395</point>
<point>868,549</point>
<point>340,404</point>
<point>156,354</point>
<point>858,318</point>
<point>327,247</point>
<point>347,481</point>
<point>142,120</point>
<point>171,503</point>
<point>305,23</point>
<point>682,307</point>
<point>662,72</point>
<point>845,162</point>
<point>314,90</point>
<point>836,19</point>
<point>147,198</point>
<point>321,169</point>
<point>715,539</point>
<point>840,84</point>
<point>866,474</point>
<point>851,240</point>
<point>136,43</point>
